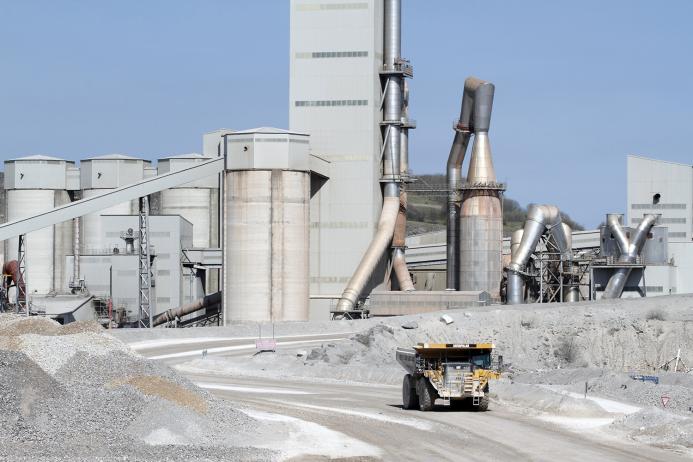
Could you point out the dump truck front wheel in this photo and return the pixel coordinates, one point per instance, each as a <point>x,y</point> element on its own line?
<point>409,398</point>
<point>427,394</point>
<point>483,404</point>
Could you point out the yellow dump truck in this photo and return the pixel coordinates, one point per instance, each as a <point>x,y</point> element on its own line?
<point>457,374</point>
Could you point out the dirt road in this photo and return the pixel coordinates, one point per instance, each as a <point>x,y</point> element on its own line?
<point>372,414</point>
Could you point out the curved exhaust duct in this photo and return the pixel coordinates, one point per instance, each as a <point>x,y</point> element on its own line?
<point>458,151</point>
<point>540,219</point>
<point>392,122</point>
<point>375,251</point>
<point>399,262</point>
<point>630,249</point>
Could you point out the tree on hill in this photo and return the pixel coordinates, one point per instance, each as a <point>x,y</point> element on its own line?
<point>428,204</point>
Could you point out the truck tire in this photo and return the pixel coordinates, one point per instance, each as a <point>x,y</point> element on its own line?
<point>410,400</point>
<point>483,404</point>
<point>427,394</point>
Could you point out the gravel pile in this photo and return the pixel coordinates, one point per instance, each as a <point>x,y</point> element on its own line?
<point>75,393</point>
<point>656,427</point>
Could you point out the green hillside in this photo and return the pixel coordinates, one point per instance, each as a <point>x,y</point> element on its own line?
<point>427,209</point>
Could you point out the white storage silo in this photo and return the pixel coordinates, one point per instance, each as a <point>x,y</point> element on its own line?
<point>197,201</point>
<point>267,226</point>
<point>99,174</point>
<point>35,184</point>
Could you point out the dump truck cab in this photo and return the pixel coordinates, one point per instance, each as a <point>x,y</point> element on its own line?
<point>458,374</point>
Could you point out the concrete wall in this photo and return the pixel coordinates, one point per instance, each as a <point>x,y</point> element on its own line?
<point>336,53</point>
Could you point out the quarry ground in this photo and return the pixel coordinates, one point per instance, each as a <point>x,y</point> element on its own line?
<point>332,389</point>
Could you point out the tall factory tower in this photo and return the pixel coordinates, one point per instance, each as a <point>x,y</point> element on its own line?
<point>335,91</point>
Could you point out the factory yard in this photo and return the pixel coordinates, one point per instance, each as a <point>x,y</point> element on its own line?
<point>332,390</point>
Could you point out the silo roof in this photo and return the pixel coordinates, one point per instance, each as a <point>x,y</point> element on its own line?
<point>114,157</point>
<point>268,131</point>
<point>37,157</point>
<point>191,155</point>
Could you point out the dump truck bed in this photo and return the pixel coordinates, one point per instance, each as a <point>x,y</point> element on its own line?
<point>406,356</point>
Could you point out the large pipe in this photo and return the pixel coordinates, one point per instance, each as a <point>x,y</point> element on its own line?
<point>630,249</point>
<point>392,115</point>
<point>481,220</point>
<point>540,218</point>
<point>399,262</point>
<point>75,252</point>
<point>375,251</point>
<point>463,133</point>
<point>173,313</point>
<point>404,134</point>
<point>571,292</point>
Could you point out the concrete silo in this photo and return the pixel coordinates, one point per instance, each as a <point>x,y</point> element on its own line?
<point>197,202</point>
<point>35,184</point>
<point>99,174</point>
<point>267,188</point>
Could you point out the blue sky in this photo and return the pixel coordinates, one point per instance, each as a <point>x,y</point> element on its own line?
<point>578,84</point>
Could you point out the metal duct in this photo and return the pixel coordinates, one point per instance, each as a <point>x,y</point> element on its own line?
<point>454,179</point>
<point>399,262</point>
<point>515,239</point>
<point>630,249</point>
<point>392,124</point>
<point>404,134</point>
<point>375,251</point>
<point>540,218</point>
<point>75,252</point>
<point>173,313</point>
<point>571,293</point>
<point>481,220</point>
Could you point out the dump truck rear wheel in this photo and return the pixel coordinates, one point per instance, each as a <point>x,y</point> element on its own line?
<point>427,394</point>
<point>409,398</point>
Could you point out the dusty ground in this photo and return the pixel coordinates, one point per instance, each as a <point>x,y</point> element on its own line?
<point>331,391</point>
<point>553,353</point>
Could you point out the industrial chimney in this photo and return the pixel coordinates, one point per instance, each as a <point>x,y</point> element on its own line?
<point>475,219</point>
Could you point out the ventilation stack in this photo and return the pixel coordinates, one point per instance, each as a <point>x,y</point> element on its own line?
<point>395,123</point>
<point>481,216</point>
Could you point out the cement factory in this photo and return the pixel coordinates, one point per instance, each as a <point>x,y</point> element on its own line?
<point>300,293</point>
<point>268,224</point>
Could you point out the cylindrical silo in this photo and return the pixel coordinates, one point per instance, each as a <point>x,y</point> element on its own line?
<point>36,184</point>
<point>267,226</point>
<point>197,202</point>
<point>98,175</point>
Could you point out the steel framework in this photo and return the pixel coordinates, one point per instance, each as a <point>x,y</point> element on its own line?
<point>552,277</point>
<point>145,311</point>
<point>22,299</point>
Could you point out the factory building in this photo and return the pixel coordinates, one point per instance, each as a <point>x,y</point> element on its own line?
<point>334,96</point>
<point>654,186</point>
<point>663,188</point>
